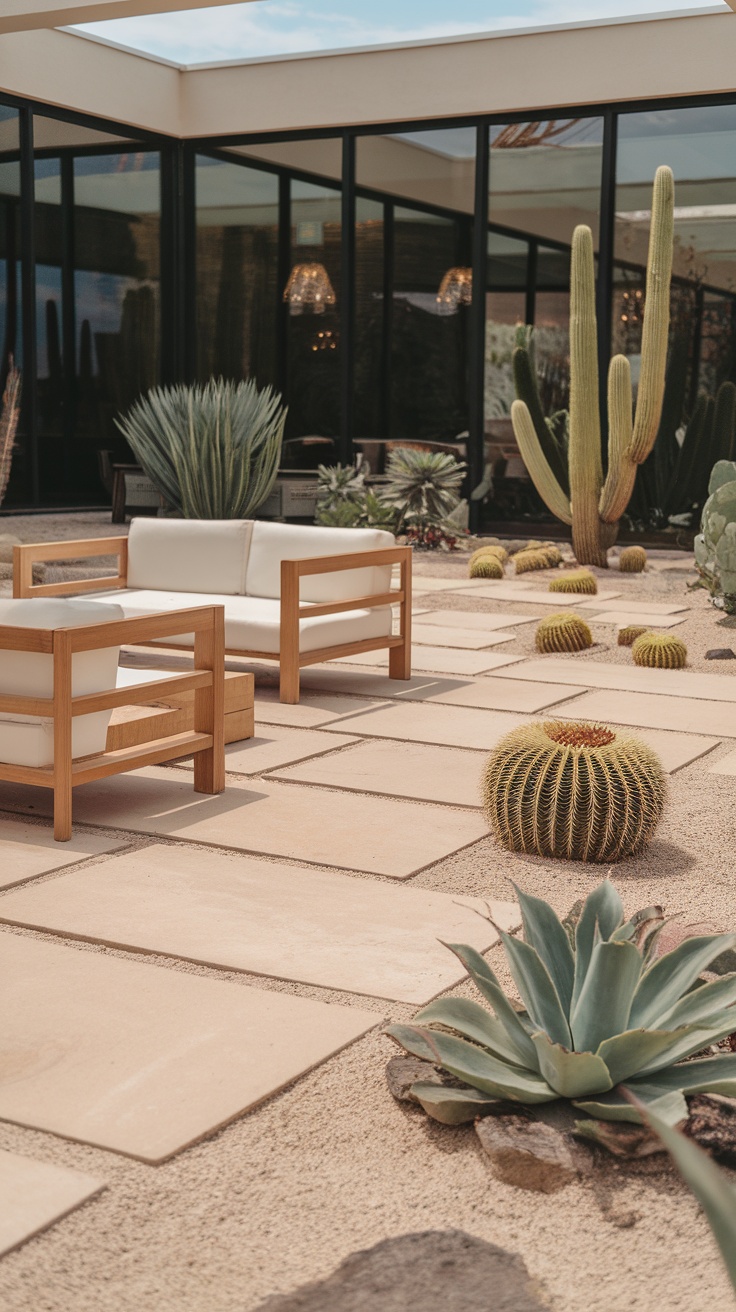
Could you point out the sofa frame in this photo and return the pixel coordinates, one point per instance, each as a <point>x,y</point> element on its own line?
<point>291,660</point>
<point>207,680</point>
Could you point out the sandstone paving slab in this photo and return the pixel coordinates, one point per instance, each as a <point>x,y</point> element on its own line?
<point>727,765</point>
<point>142,1060</point>
<point>284,921</point>
<point>622,618</point>
<point>434,635</point>
<point>375,835</point>
<point>511,591</point>
<point>484,621</point>
<point>28,850</point>
<point>398,769</point>
<point>275,745</point>
<point>634,678</point>
<point>646,710</point>
<point>488,691</point>
<point>660,608</point>
<point>313,709</point>
<point>440,659</point>
<point>34,1195</point>
<point>425,583</point>
<point>433,723</point>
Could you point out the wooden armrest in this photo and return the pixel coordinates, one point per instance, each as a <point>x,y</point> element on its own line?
<point>142,628</point>
<point>293,570</point>
<point>25,557</point>
<point>349,560</point>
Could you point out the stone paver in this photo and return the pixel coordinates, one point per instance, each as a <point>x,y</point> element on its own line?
<point>628,678</point>
<point>372,834</point>
<point>622,618</point>
<point>474,619</point>
<point>29,850</point>
<point>488,692</point>
<point>538,596</point>
<point>648,608</point>
<point>312,710</point>
<point>440,659</point>
<point>142,1060</point>
<point>409,769</point>
<point>683,714</point>
<point>425,583</point>
<point>274,745</point>
<point>431,722</point>
<point>471,639</point>
<point>34,1195</point>
<point>727,765</point>
<point>284,921</point>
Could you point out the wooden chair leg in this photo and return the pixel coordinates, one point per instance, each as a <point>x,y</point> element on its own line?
<point>399,661</point>
<point>289,673</point>
<point>63,811</point>
<point>289,634</point>
<point>399,658</point>
<point>209,707</point>
<point>62,737</point>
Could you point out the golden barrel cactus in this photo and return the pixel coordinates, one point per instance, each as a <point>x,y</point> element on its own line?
<point>580,792</point>
<point>493,549</point>
<point>632,560</point>
<point>660,651</point>
<point>536,558</point>
<point>628,635</point>
<point>486,567</point>
<point>563,632</point>
<point>576,580</point>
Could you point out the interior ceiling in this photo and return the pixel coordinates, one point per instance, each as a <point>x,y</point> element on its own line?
<point>29,15</point>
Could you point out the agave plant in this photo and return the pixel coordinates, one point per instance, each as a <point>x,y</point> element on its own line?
<point>212,450</point>
<point>423,485</point>
<point>339,483</point>
<point>603,1016</point>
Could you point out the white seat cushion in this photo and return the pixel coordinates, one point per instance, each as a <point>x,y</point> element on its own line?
<point>189,555</point>
<point>29,739</point>
<point>272,543</point>
<point>253,623</point>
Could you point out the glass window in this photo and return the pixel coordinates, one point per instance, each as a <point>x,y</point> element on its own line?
<point>313,326</point>
<point>11,328</point>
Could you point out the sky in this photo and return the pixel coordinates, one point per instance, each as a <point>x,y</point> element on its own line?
<point>273,27</point>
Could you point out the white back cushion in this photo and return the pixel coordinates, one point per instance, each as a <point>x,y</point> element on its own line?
<point>272,543</point>
<point>189,555</point>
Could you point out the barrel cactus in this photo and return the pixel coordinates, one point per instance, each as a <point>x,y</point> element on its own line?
<point>486,567</point>
<point>493,549</point>
<point>632,560</point>
<point>660,651</point>
<point>628,635</point>
<point>563,632</point>
<point>577,580</point>
<point>536,558</point>
<point>602,1019</point>
<point>581,792</point>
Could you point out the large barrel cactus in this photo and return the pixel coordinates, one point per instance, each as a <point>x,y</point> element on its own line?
<point>582,792</point>
<point>575,490</point>
<point>715,545</point>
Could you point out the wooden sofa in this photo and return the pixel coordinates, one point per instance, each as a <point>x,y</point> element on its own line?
<point>297,595</point>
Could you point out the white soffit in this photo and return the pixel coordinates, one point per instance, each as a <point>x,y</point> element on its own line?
<point>25,15</point>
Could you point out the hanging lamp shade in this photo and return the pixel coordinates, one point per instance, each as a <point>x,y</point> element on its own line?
<point>456,289</point>
<point>309,288</point>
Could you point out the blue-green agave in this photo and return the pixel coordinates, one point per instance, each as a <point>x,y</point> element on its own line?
<point>602,1015</point>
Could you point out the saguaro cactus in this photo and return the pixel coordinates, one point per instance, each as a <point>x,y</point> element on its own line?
<point>593,507</point>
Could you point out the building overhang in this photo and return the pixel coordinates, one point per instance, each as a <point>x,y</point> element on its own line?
<point>28,15</point>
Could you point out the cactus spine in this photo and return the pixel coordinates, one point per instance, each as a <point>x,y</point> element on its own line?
<point>594,508</point>
<point>563,632</point>
<point>486,567</point>
<point>632,560</point>
<point>628,635</point>
<point>660,651</point>
<point>576,580</point>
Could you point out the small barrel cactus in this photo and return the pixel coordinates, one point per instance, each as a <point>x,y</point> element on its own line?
<point>628,635</point>
<point>581,792</point>
<point>539,558</point>
<point>493,549</point>
<point>660,651</point>
<point>577,580</point>
<point>563,632</point>
<point>632,560</point>
<point>486,567</point>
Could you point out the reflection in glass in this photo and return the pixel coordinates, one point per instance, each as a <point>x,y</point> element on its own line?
<point>313,368</point>
<point>11,327</point>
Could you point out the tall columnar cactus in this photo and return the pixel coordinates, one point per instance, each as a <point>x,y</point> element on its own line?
<point>593,507</point>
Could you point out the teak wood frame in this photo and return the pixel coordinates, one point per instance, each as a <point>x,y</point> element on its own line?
<point>205,741</point>
<point>291,660</point>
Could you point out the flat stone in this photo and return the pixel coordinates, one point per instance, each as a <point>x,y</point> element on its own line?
<point>529,1153</point>
<point>488,692</point>
<point>485,622</point>
<point>625,678</point>
<point>431,722</point>
<point>283,921</point>
<point>430,1271</point>
<point>402,1072</point>
<point>623,618</point>
<point>145,1061</point>
<point>375,835</point>
<point>712,1123</point>
<point>29,850</point>
<point>536,596</point>
<point>440,659</point>
<point>398,769</point>
<point>645,710</point>
<point>727,764</point>
<point>602,602</point>
<point>685,563</point>
<point>720,654</point>
<point>277,745</point>
<point>311,711</point>
<point>34,1195</point>
<point>676,750</point>
<point>472,639</point>
<point>423,583</point>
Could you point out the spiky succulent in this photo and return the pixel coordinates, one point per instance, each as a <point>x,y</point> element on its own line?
<point>423,486</point>
<point>660,651</point>
<point>492,550</point>
<point>628,635</point>
<point>563,632</point>
<point>581,792</point>
<point>486,567</point>
<point>576,580</point>
<point>632,560</point>
<point>536,558</point>
<point>602,1017</point>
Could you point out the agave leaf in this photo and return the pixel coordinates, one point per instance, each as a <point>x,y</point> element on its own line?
<point>615,1106</point>
<point>474,1066</point>
<point>543,930</point>
<point>571,1074</point>
<point>702,1003</point>
<point>690,1039</point>
<point>538,993</point>
<point>474,1023</point>
<point>629,1053</point>
<point>604,1001</point>
<point>487,984</point>
<point>709,1075</point>
<point>710,1186</point>
<point>603,909</point>
<point>664,983</point>
<point>641,924</point>
<point>452,1106</point>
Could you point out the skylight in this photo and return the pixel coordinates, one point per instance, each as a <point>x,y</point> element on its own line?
<point>265,28</point>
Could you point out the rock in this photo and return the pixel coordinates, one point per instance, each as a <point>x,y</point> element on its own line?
<point>402,1072</point>
<point>530,1154</point>
<point>622,1138</point>
<point>712,1124</point>
<point>430,1271</point>
<point>720,654</point>
<point>7,542</point>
